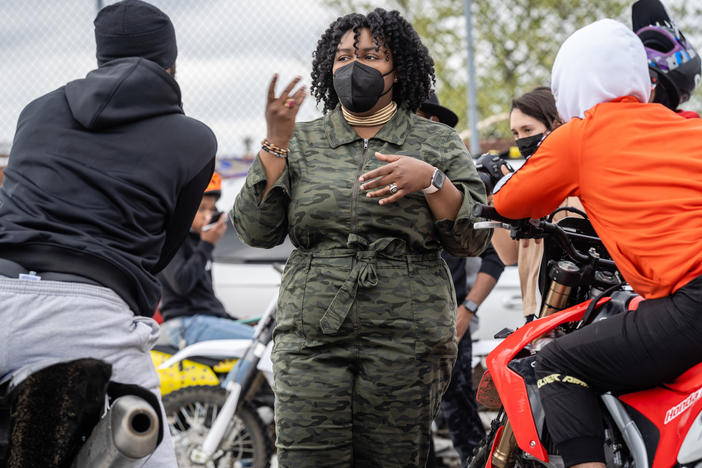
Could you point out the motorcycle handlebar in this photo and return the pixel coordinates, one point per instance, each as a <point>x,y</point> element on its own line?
<point>544,227</point>
<point>489,212</point>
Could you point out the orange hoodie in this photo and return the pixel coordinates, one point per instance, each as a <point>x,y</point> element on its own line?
<point>637,169</point>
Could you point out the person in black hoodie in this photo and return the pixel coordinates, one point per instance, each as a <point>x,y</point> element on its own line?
<point>104,178</point>
<point>190,309</point>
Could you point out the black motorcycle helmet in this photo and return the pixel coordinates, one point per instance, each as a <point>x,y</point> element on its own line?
<point>675,65</point>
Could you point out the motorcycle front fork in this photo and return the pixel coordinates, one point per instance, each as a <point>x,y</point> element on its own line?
<point>563,276</point>
<point>503,456</point>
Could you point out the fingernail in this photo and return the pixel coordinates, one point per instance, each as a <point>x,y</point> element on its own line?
<point>368,195</point>
<point>360,179</point>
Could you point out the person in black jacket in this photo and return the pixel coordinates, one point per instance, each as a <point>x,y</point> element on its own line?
<point>190,309</point>
<point>104,178</point>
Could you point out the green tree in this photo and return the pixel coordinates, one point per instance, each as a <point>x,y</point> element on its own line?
<point>516,42</point>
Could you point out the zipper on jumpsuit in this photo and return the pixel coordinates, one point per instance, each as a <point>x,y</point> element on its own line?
<point>354,218</point>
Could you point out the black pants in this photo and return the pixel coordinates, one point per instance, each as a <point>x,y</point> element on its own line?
<point>628,352</point>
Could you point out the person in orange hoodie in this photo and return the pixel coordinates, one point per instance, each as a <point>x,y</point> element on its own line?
<point>637,169</point>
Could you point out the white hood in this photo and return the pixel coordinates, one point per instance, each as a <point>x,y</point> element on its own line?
<point>599,62</point>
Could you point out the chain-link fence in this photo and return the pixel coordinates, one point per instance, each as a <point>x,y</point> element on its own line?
<point>228,51</point>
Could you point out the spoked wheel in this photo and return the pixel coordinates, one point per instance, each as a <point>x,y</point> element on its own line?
<point>192,410</point>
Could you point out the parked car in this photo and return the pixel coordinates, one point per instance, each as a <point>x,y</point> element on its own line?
<point>244,277</point>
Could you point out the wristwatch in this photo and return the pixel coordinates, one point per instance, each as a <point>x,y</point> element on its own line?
<point>471,306</point>
<point>437,181</point>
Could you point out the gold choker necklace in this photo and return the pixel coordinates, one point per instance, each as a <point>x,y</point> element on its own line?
<point>379,118</point>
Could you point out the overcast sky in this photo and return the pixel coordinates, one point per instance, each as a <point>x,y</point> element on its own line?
<point>228,51</point>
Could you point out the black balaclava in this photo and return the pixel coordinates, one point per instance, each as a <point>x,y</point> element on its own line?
<point>359,86</point>
<point>132,28</point>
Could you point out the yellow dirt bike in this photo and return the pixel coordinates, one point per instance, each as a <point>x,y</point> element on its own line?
<point>192,384</point>
<point>194,372</point>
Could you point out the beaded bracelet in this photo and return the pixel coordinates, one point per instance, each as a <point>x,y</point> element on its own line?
<point>276,149</point>
<point>277,155</point>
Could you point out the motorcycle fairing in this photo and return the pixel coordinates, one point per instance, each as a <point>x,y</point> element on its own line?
<point>512,385</point>
<point>526,368</point>
<point>650,434</point>
<point>688,381</point>
<point>691,448</point>
<point>672,412</point>
<point>185,373</point>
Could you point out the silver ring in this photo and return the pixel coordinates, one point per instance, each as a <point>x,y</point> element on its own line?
<point>393,188</point>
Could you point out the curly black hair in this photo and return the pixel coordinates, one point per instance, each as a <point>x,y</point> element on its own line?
<point>413,65</point>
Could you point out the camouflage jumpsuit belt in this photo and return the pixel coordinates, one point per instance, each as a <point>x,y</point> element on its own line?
<point>358,365</point>
<point>362,274</point>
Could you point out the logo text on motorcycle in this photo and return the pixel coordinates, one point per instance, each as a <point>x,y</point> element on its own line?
<point>681,407</point>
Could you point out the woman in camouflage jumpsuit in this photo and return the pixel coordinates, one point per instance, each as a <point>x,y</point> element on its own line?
<point>365,336</point>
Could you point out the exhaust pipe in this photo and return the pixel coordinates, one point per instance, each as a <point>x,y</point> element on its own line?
<point>123,438</point>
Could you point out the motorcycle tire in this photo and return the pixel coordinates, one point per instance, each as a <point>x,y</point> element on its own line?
<point>191,411</point>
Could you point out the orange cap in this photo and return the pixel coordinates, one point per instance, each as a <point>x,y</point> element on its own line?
<point>215,185</point>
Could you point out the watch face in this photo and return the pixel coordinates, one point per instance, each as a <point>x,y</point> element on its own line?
<point>438,179</point>
<point>471,306</point>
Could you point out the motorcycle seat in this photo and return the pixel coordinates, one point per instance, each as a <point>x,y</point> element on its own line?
<point>688,381</point>
<point>165,349</point>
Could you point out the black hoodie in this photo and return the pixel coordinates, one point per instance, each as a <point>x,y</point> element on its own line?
<point>104,178</point>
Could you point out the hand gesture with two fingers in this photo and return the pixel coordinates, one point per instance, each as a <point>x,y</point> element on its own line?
<point>281,111</point>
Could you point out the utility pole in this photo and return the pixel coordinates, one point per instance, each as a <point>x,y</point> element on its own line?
<point>472,92</point>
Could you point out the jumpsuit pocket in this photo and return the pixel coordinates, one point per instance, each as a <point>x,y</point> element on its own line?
<point>147,331</point>
<point>322,285</point>
<point>287,334</point>
<point>434,307</point>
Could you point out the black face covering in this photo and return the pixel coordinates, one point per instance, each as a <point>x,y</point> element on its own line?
<point>359,86</point>
<point>528,145</point>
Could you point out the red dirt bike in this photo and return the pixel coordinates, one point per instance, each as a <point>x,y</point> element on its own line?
<point>658,427</point>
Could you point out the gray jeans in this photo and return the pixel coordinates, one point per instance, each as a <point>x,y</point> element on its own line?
<point>49,320</point>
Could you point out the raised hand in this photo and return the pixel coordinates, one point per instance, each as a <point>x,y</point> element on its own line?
<point>282,110</point>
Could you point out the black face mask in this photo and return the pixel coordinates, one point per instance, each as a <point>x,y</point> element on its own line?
<point>528,145</point>
<point>359,86</point>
